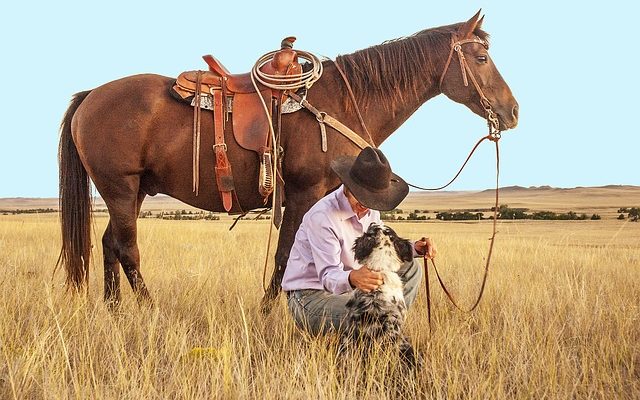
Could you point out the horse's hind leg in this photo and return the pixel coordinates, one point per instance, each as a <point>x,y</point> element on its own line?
<point>111,261</point>
<point>111,268</point>
<point>121,240</point>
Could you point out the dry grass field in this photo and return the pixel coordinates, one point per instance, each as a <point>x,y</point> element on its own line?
<point>560,317</point>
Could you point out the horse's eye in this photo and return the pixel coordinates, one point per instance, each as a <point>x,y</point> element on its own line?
<point>482,59</point>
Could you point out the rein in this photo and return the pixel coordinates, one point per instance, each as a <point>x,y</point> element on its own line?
<point>494,136</point>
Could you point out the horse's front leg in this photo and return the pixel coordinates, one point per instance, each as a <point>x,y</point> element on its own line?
<point>297,204</point>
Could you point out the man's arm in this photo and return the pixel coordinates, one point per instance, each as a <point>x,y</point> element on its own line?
<point>326,250</point>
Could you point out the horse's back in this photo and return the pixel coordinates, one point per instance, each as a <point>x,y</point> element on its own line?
<point>125,97</point>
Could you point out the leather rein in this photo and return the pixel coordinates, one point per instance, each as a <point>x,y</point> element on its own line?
<point>493,135</point>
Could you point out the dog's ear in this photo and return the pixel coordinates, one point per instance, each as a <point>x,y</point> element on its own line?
<point>390,232</point>
<point>363,246</point>
<point>404,249</point>
<point>373,229</point>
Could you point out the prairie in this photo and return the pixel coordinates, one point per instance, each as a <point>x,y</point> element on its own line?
<point>560,317</point>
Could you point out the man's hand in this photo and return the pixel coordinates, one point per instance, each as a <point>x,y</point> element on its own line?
<point>365,279</point>
<point>425,246</point>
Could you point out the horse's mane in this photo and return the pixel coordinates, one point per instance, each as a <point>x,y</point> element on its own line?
<point>395,69</point>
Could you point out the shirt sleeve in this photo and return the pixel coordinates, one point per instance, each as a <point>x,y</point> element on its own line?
<point>326,250</point>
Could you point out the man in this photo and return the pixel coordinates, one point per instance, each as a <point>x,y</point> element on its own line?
<point>321,271</point>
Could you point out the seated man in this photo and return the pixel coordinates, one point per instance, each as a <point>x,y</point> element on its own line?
<point>322,271</point>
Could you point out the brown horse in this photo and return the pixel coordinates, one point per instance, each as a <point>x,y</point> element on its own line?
<point>133,139</point>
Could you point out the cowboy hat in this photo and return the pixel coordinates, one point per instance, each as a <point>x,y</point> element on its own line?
<point>368,176</point>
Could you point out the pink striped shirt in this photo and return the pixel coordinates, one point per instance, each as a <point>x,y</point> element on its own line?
<point>321,256</point>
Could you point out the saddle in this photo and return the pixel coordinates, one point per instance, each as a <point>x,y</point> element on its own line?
<point>236,96</point>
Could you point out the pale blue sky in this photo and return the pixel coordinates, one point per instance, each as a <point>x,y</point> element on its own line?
<point>573,69</point>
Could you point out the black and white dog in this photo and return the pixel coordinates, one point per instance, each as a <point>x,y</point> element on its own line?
<point>377,317</point>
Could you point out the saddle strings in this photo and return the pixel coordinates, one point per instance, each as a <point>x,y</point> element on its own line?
<point>196,134</point>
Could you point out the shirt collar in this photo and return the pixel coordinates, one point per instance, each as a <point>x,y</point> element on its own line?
<point>344,207</point>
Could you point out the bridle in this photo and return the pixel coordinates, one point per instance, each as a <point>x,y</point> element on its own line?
<point>492,118</point>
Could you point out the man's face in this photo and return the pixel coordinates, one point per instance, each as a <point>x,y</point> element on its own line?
<point>357,207</point>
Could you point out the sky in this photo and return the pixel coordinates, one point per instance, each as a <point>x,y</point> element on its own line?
<point>572,66</point>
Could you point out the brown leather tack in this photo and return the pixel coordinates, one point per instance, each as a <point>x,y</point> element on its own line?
<point>215,65</point>
<point>250,123</point>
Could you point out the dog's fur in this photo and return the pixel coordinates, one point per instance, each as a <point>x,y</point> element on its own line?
<point>377,317</point>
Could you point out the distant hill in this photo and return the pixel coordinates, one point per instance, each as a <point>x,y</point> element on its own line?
<point>537,198</point>
<point>578,199</point>
<point>511,189</point>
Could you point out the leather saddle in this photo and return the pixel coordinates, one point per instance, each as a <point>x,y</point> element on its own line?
<point>236,95</point>
<point>250,122</point>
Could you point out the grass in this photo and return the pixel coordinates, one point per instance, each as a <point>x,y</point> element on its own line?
<point>560,319</point>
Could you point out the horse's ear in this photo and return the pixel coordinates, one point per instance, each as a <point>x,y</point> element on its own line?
<point>466,30</point>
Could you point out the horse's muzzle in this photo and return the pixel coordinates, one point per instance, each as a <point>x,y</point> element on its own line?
<point>508,117</point>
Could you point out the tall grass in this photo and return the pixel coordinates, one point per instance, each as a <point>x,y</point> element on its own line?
<point>560,319</point>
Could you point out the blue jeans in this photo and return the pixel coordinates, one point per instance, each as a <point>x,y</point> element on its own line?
<point>319,311</point>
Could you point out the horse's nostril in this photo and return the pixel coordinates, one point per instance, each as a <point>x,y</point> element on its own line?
<point>515,111</point>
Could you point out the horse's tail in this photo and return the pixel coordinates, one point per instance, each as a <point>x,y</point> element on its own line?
<point>75,204</point>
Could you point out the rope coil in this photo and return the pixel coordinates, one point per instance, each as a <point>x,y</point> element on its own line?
<point>288,82</point>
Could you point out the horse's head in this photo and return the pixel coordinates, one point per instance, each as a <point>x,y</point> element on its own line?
<point>470,77</point>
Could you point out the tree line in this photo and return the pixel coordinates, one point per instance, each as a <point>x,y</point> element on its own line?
<point>633,213</point>
<point>504,212</point>
<point>29,211</point>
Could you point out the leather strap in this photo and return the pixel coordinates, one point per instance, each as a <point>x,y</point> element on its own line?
<point>491,137</point>
<point>196,134</point>
<point>493,236</point>
<point>353,100</point>
<point>324,118</point>
<point>456,46</point>
<point>224,176</point>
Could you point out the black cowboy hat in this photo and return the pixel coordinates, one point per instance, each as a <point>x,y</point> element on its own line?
<point>368,176</point>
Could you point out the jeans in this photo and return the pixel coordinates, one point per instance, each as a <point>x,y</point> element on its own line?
<point>319,311</point>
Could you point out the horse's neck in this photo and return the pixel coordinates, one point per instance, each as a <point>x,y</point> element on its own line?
<point>382,122</point>
<point>382,118</point>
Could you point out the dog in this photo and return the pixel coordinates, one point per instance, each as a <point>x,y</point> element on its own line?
<point>377,317</point>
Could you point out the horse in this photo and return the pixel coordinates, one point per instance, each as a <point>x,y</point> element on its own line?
<point>132,139</point>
